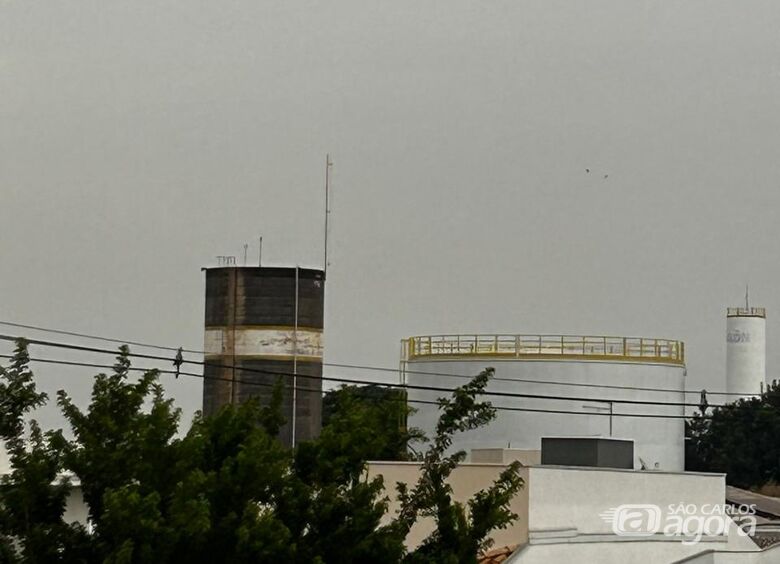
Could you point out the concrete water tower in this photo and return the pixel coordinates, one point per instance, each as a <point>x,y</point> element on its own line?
<point>745,350</point>
<point>262,326</point>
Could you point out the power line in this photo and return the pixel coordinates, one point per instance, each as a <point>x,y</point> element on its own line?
<point>357,381</point>
<point>383,368</point>
<point>96,337</point>
<point>347,380</point>
<point>547,382</point>
<point>381,384</point>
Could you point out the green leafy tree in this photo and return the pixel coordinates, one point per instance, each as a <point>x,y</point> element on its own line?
<point>228,490</point>
<point>34,493</point>
<point>461,529</point>
<point>18,395</point>
<point>383,410</point>
<point>236,479</point>
<point>739,439</point>
<point>343,508</point>
<point>125,457</point>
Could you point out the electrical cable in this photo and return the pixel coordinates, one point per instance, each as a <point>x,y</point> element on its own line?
<point>354,380</point>
<point>381,368</point>
<point>379,384</point>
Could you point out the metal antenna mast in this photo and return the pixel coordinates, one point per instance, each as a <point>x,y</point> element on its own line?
<point>328,165</point>
<point>295,360</point>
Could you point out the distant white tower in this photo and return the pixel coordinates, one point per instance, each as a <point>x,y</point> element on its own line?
<point>745,350</point>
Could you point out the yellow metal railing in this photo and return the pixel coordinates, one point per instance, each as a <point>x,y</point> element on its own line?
<point>637,349</point>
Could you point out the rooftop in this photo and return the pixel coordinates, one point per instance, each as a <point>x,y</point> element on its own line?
<point>497,555</point>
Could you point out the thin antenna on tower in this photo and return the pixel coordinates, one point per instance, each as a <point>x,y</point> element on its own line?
<point>246,246</point>
<point>295,359</point>
<point>328,165</point>
<point>747,296</point>
<point>260,252</point>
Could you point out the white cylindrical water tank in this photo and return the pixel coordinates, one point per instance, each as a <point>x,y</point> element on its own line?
<point>745,351</point>
<point>558,385</point>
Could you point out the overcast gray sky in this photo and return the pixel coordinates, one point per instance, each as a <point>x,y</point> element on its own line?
<point>140,139</point>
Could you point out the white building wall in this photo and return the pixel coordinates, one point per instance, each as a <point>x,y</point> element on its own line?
<point>5,462</point>
<point>560,512</point>
<point>76,510</point>
<point>565,523</point>
<point>657,441</point>
<point>768,556</point>
<point>583,494</point>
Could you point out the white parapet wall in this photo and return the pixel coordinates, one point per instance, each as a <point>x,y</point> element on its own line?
<point>506,456</point>
<point>582,514</point>
<point>566,513</point>
<point>769,556</point>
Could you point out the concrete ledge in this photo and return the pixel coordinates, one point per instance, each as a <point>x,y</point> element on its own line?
<point>549,537</point>
<point>567,532</point>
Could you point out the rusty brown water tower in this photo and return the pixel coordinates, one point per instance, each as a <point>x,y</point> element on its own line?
<point>264,324</point>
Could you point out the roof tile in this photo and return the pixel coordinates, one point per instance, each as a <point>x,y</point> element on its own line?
<point>497,555</point>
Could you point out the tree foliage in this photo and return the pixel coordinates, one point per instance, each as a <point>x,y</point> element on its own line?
<point>739,439</point>
<point>383,410</point>
<point>460,534</point>
<point>228,490</point>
